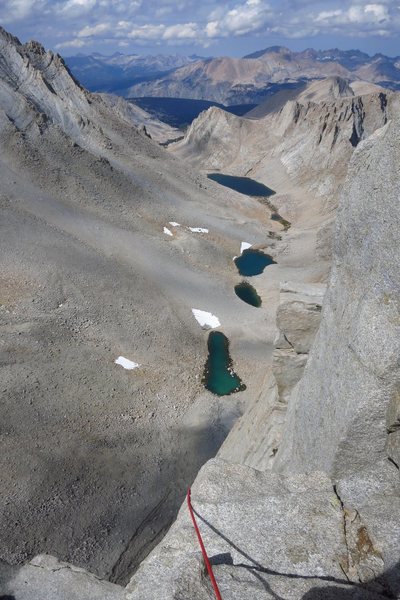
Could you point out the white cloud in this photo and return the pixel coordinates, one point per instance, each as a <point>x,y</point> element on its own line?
<point>370,13</point>
<point>15,10</point>
<point>248,17</point>
<point>147,32</point>
<point>360,19</point>
<point>71,44</point>
<point>75,8</point>
<point>72,23</point>
<point>187,31</point>
<point>93,31</point>
<point>180,31</point>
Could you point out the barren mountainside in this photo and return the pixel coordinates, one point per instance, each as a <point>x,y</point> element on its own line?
<point>314,135</point>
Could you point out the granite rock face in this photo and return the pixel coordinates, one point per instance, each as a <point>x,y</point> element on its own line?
<point>46,578</point>
<point>297,318</point>
<point>299,315</point>
<point>372,497</point>
<point>347,401</point>
<point>256,437</point>
<point>268,536</point>
<point>343,417</point>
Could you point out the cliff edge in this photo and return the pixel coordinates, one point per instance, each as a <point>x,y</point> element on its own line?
<point>325,524</point>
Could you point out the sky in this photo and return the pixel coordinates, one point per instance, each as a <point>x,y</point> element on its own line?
<point>204,27</point>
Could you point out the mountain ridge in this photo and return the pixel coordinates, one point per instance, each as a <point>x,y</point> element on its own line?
<point>236,81</point>
<point>102,73</point>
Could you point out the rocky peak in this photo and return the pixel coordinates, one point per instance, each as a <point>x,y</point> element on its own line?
<point>341,86</point>
<point>8,37</point>
<point>35,82</point>
<point>34,47</point>
<point>270,50</point>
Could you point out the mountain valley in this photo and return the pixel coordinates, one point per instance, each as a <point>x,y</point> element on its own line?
<point>121,261</point>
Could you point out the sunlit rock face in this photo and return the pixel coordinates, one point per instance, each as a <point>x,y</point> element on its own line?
<point>339,417</point>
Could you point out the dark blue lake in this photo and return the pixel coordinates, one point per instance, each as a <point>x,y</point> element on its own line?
<point>251,187</point>
<point>253,262</point>
<point>219,376</point>
<point>248,294</point>
<point>244,185</point>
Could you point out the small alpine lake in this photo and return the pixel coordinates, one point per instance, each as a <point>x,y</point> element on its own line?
<point>253,262</point>
<point>248,294</point>
<point>275,216</point>
<point>219,376</point>
<point>251,187</point>
<point>243,185</point>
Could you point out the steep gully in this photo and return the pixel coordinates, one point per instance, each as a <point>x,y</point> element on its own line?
<point>214,379</point>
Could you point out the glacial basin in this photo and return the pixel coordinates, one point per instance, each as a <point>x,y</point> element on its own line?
<point>248,294</point>
<point>251,187</point>
<point>243,185</point>
<point>253,262</point>
<point>219,376</point>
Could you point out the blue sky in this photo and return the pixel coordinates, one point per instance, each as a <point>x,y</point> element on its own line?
<point>206,27</point>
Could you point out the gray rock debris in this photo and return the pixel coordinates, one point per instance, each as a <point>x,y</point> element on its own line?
<point>268,535</point>
<point>45,578</point>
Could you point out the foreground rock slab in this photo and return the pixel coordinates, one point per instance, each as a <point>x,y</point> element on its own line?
<point>267,535</point>
<point>45,578</point>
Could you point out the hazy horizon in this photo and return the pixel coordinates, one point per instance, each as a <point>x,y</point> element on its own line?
<point>211,28</point>
<point>205,55</point>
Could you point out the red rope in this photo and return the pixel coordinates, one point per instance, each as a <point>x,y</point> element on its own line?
<point>203,549</point>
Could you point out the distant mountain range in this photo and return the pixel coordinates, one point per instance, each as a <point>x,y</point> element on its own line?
<point>229,81</point>
<point>99,73</point>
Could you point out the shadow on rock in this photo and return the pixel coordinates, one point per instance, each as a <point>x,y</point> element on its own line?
<point>386,586</point>
<point>104,502</point>
<point>7,573</point>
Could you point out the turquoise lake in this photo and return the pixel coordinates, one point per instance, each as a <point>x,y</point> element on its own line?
<point>219,377</point>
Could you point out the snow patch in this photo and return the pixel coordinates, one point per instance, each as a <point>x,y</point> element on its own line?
<point>198,230</point>
<point>127,364</point>
<point>168,232</point>
<point>206,319</point>
<point>245,246</point>
<point>174,224</point>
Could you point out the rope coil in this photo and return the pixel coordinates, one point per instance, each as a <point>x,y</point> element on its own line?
<point>203,549</point>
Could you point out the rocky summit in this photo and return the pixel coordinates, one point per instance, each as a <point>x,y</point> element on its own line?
<point>118,258</point>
